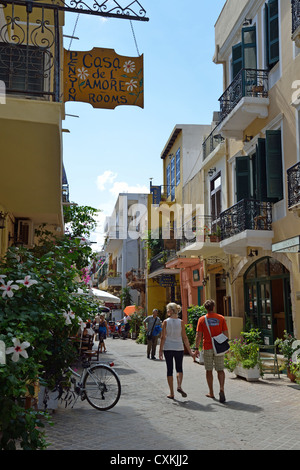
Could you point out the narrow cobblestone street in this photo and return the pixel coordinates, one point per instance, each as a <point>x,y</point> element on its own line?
<point>261,415</point>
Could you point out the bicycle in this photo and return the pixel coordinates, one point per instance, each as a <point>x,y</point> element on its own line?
<point>99,384</point>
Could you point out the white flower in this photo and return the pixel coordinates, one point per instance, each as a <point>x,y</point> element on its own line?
<point>82,73</point>
<point>68,316</point>
<point>129,66</point>
<point>27,281</point>
<point>132,84</point>
<point>1,278</point>
<point>7,289</point>
<point>18,349</point>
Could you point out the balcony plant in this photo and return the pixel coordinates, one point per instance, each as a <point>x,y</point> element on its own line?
<point>243,357</point>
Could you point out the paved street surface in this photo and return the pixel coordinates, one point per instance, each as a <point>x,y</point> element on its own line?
<point>264,415</point>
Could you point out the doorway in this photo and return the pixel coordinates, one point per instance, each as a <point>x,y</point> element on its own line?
<point>268,299</point>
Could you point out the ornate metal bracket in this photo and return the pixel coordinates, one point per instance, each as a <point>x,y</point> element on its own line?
<point>109,8</point>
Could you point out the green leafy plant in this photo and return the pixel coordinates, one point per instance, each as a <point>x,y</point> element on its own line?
<point>244,351</point>
<point>285,347</point>
<point>40,308</point>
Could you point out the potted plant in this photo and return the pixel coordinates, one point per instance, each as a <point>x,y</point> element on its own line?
<point>243,357</point>
<point>285,346</point>
<point>294,371</point>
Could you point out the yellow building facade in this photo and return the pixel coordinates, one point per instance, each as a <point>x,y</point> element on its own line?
<point>256,44</point>
<point>31,114</point>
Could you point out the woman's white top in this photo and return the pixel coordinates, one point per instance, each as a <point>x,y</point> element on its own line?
<point>173,335</point>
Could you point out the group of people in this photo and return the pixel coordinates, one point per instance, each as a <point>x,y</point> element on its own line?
<point>174,338</point>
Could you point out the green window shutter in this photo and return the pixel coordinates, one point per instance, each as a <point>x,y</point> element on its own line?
<point>237,59</point>
<point>242,173</point>
<point>273,32</point>
<point>261,186</point>
<point>274,165</point>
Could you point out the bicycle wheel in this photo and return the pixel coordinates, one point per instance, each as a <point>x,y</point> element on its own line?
<point>102,387</point>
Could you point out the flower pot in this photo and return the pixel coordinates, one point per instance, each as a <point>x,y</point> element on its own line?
<point>251,375</point>
<point>290,375</point>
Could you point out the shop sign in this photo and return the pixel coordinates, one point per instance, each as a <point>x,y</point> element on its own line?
<point>103,78</point>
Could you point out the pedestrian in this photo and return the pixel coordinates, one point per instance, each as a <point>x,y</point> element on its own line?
<point>103,332</point>
<point>150,323</point>
<point>217,325</point>
<point>126,324</point>
<point>172,343</point>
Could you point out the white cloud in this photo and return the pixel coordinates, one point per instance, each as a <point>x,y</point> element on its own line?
<point>106,177</point>
<point>122,187</point>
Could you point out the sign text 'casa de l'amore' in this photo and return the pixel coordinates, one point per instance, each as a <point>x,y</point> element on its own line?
<point>103,78</point>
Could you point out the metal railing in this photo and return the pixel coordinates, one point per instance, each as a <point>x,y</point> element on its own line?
<point>248,82</point>
<point>293,176</point>
<point>247,214</point>
<point>211,142</point>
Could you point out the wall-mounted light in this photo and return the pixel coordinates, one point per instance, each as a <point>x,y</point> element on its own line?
<point>248,138</point>
<point>253,253</point>
<point>247,22</point>
<point>225,276</point>
<point>205,280</point>
<point>211,171</point>
<point>2,220</point>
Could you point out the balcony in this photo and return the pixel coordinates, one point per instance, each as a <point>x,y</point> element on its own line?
<point>201,236</point>
<point>212,144</point>
<point>296,22</point>
<point>245,100</point>
<point>246,224</point>
<point>293,176</point>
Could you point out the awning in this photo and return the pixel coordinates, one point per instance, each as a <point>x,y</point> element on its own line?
<point>105,296</point>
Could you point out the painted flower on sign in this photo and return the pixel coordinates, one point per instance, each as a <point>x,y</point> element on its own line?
<point>131,85</point>
<point>27,282</point>
<point>8,289</point>
<point>82,73</point>
<point>18,349</point>
<point>129,66</point>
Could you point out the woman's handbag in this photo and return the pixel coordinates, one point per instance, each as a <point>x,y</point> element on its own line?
<point>220,342</point>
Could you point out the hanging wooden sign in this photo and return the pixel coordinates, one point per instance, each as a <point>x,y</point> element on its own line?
<point>103,78</point>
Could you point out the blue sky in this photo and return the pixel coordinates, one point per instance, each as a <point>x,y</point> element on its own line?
<point>112,151</point>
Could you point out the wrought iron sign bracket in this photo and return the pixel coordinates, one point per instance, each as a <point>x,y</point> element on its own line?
<point>109,8</point>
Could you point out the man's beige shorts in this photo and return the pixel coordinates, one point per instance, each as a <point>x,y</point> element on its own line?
<point>211,361</point>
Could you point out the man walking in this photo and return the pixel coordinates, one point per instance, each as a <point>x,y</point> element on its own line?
<point>150,323</point>
<point>217,325</point>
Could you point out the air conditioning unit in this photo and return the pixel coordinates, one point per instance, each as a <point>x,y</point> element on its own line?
<point>25,233</point>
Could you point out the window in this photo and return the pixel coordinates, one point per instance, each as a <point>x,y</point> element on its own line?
<point>168,181</point>
<point>260,175</point>
<point>272,33</point>
<point>244,53</point>
<point>21,68</point>
<point>178,167</point>
<point>173,179</point>
<point>215,201</point>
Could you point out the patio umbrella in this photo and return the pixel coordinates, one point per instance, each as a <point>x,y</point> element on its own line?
<point>130,309</point>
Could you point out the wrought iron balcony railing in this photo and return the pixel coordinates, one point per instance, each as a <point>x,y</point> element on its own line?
<point>293,175</point>
<point>211,143</point>
<point>295,15</point>
<point>247,214</point>
<point>247,83</point>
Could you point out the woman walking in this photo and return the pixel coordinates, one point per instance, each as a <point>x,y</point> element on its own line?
<point>172,342</point>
